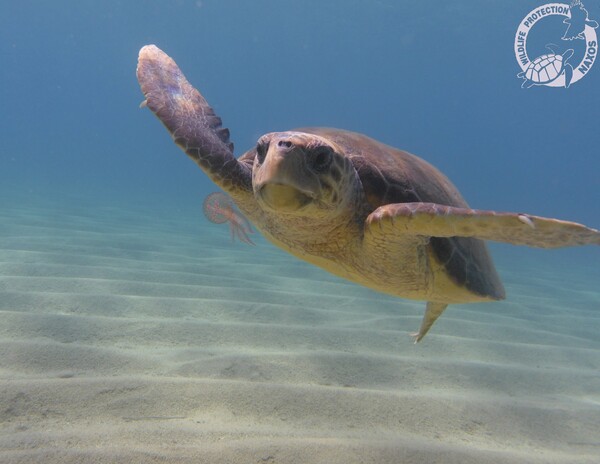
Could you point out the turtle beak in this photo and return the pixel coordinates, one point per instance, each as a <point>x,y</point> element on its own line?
<point>283,181</point>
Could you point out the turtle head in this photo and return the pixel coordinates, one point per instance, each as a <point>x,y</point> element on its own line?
<point>302,174</point>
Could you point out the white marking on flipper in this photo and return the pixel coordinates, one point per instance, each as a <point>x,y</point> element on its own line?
<point>525,220</point>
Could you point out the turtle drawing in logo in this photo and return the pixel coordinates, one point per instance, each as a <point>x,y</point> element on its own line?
<point>577,22</point>
<point>547,68</point>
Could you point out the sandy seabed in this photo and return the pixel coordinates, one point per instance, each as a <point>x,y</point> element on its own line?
<point>129,336</point>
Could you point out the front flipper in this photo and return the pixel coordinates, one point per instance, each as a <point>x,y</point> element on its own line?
<point>191,121</point>
<point>568,75</point>
<point>433,220</point>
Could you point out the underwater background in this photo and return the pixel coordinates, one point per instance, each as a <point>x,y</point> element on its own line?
<point>134,330</point>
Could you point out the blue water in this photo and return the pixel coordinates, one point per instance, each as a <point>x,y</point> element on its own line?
<point>435,78</point>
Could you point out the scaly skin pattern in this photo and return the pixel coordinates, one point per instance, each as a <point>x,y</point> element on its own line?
<point>353,206</point>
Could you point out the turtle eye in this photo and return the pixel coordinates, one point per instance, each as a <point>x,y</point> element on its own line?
<point>261,151</point>
<point>321,159</point>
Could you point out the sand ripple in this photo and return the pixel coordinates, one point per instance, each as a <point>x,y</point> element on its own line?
<point>127,337</point>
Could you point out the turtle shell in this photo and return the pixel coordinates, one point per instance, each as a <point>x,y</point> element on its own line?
<point>545,68</point>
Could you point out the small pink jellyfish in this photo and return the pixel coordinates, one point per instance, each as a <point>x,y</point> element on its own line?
<point>219,208</point>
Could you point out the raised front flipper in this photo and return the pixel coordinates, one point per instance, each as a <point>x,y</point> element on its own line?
<point>191,121</point>
<point>430,219</point>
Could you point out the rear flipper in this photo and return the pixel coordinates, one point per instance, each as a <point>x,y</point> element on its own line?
<point>433,311</point>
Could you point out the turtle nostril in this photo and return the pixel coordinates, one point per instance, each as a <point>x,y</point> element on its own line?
<point>284,144</point>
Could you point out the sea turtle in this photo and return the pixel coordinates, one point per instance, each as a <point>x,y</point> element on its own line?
<point>353,206</point>
<point>547,68</point>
